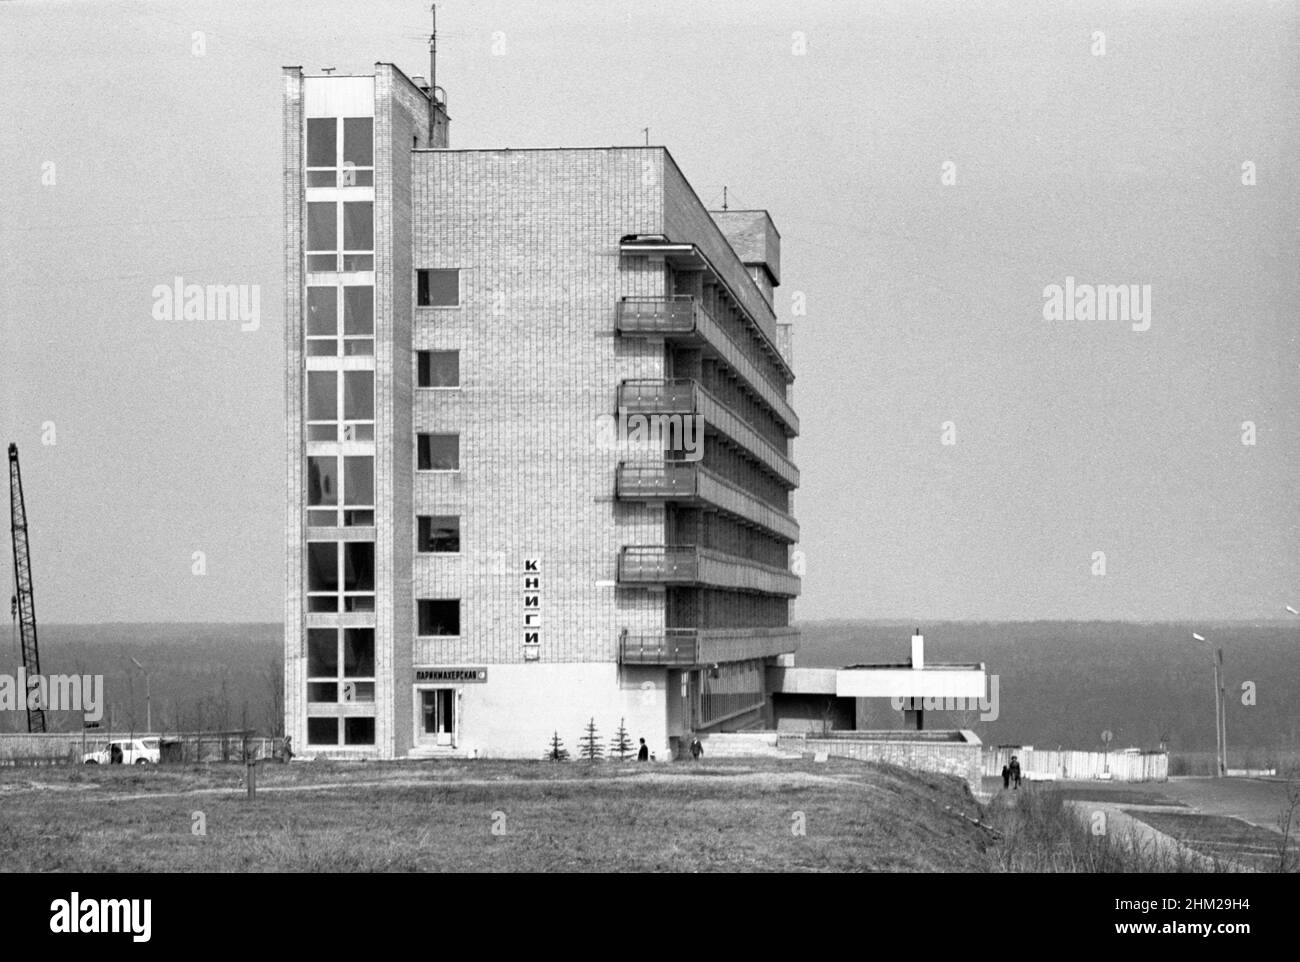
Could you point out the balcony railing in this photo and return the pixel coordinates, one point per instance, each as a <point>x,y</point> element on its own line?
<point>671,647</point>
<point>684,316</point>
<point>690,481</point>
<point>686,396</point>
<point>691,564</point>
<point>706,646</point>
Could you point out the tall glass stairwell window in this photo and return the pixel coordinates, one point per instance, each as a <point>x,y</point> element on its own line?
<point>340,486</point>
<point>352,221</point>
<point>340,152</point>
<point>340,320</point>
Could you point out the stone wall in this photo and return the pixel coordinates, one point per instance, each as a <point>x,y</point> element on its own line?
<point>962,758</point>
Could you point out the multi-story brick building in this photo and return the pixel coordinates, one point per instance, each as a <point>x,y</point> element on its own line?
<point>500,364</point>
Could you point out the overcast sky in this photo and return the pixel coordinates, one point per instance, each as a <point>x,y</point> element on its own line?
<point>134,152</point>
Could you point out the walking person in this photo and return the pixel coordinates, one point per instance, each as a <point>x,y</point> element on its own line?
<point>1015,771</point>
<point>696,748</point>
<point>643,753</point>
<point>1006,776</point>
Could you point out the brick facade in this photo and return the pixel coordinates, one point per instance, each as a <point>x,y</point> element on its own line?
<point>536,236</point>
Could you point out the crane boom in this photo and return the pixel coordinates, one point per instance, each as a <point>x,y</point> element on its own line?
<point>23,598</point>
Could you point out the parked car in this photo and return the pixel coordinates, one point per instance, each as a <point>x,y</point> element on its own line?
<point>129,751</point>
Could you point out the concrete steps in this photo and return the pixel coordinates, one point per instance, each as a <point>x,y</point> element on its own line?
<point>430,752</point>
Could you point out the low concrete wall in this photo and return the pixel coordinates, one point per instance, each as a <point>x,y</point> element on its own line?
<point>944,753</point>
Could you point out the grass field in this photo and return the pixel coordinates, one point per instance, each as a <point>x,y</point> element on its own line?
<point>722,815</point>
<point>764,815</point>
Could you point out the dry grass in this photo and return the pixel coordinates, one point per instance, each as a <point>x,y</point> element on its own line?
<point>324,817</point>
<point>1042,832</point>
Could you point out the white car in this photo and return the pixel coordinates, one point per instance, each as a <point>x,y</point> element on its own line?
<point>134,751</point>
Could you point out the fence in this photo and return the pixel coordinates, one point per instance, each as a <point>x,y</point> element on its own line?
<point>63,748</point>
<point>1051,764</point>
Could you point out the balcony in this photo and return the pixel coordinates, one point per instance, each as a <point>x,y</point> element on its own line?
<point>685,647</point>
<point>684,318</point>
<point>693,565</point>
<point>690,481</point>
<point>686,396</point>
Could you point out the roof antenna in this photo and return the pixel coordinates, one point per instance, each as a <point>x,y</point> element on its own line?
<point>433,48</point>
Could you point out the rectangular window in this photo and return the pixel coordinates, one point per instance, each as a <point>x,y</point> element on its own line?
<point>359,481</point>
<point>359,652</point>
<point>439,617</point>
<point>358,142</point>
<point>321,137</point>
<point>359,566</point>
<point>323,566</point>
<point>358,731</point>
<point>322,652</point>
<point>326,691</point>
<point>439,533</point>
<point>322,226</point>
<point>437,288</point>
<point>438,369</point>
<point>322,480</point>
<point>359,311</point>
<point>322,731</point>
<point>438,452</point>
<point>358,395</point>
<point>322,396</point>
<point>358,226</point>
<point>322,312</point>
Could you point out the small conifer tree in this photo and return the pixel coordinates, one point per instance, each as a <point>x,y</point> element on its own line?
<point>589,746</point>
<point>556,752</point>
<point>621,743</point>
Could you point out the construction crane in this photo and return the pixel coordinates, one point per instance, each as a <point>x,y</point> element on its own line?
<point>23,604</point>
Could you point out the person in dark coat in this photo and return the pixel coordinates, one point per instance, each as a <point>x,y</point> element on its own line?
<point>697,749</point>
<point>1006,776</point>
<point>643,753</point>
<point>1015,770</point>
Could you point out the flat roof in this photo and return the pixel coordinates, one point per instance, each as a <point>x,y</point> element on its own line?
<point>928,666</point>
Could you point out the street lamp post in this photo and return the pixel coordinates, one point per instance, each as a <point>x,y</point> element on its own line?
<point>148,699</point>
<point>1219,727</point>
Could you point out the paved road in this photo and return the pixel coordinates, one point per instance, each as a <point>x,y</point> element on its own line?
<point>1255,800</point>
